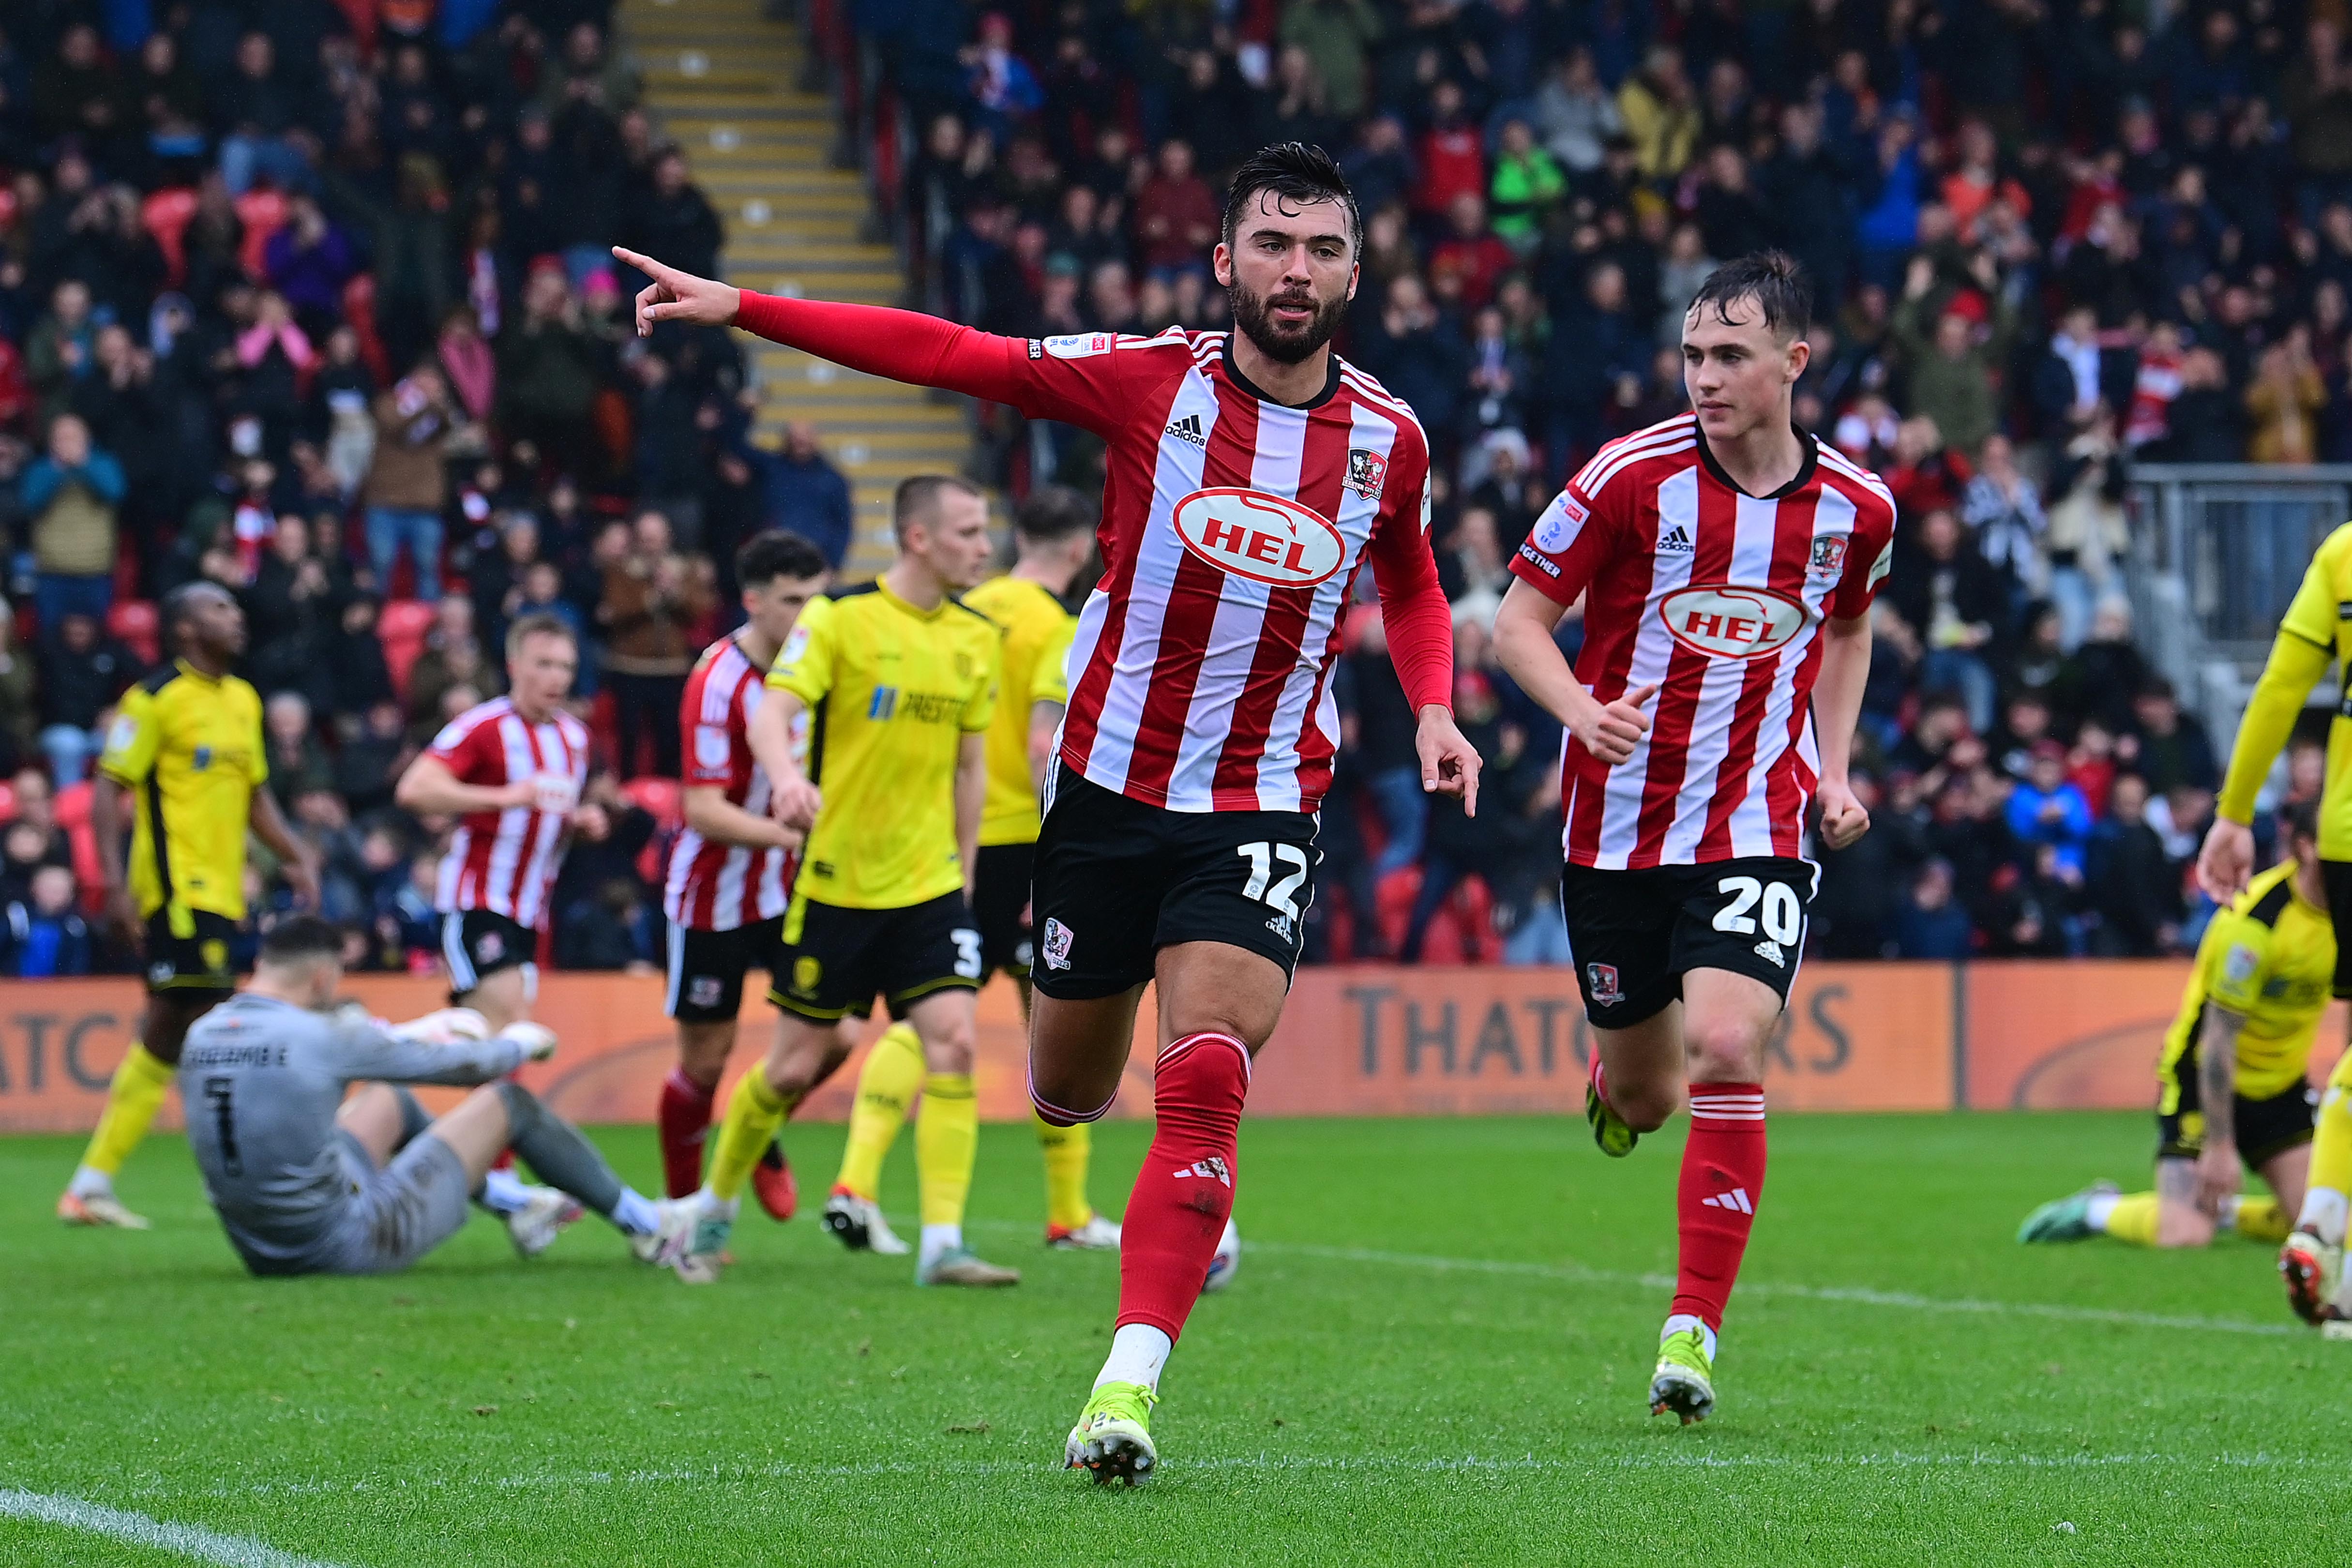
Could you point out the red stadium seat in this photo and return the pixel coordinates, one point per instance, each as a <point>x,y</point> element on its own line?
<point>401,628</point>
<point>1392,898</point>
<point>83,839</point>
<point>135,622</point>
<point>663,799</point>
<point>7,802</point>
<point>72,806</point>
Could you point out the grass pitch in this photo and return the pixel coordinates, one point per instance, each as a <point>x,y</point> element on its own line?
<point>1436,1351</point>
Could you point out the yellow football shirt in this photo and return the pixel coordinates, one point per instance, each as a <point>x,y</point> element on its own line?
<point>2270,958</point>
<point>891,690</point>
<point>2316,629</point>
<point>190,750</point>
<point>1037,633</point>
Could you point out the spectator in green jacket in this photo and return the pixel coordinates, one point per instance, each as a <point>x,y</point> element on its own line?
<point>1336,35</point>
<point>1527,183</point>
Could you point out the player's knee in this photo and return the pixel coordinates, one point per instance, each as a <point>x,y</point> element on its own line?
<point>1725,1048</point>
<point>1643,1107</point>
<point>949,1049</point>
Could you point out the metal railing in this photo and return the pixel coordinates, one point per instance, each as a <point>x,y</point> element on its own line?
<point>2217,553</point>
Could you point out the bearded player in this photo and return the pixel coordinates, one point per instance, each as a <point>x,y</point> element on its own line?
<point>1726,560</point>
<point>1250,477</point>
<point>731,871</point>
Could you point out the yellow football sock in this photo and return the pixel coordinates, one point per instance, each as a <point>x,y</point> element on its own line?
<point>754,1112</point>
<point>2133,1219</point>
<point>1066,1152</point>
<point>131,1102</point>
<point>947,1141</point>
<point>2262,1219</point>
<point>886,1086</point>
<point>2331,1147</point>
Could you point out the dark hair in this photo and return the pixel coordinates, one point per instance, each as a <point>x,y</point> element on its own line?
<point>301,938</point>
<point>539,624</point>
<point>921,495</point>
<point>1770,277</point>
<point>1297,172</point>
<point>179,605</point>
<point>777,552</point>
<point>1053,514</point>
<point>2300,818</point>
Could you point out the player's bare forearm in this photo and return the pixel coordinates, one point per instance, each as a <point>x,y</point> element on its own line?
<point>106,820</point>
<point>270,826</point>
<point>1838,690</point>
<point>429,789</point>
<point>1045,724</point>
<point>769,734</point>
<point>2217,1075</point>
<point>710,813</point>
<point>1525,648</point>
<point>970,799</point>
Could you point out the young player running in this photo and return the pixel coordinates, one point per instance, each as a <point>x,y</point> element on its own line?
<point>2312,635</point>
<point>1054,532</point>
<point>185,752</point>
<point>899,681</point>
<point>1726,560</point>
<point>1250,477</point>
<point>2230,1086</point>
<point>731,869</point>
<point>510,770</point>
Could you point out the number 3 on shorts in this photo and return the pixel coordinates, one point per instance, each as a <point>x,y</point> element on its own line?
<point>1782,914</point>
<point>1262,855</point>
<point>967,945</point>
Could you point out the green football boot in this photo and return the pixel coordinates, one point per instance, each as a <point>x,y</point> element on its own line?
<point>1113,1436</point>
<point>1685,1381</point>
<point>2064,1219</point>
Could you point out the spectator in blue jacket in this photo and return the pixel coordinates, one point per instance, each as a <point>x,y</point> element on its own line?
<point>43,936</point>
<point>1930,923</point>
<point>808,495</point>
<point>2047,808</point>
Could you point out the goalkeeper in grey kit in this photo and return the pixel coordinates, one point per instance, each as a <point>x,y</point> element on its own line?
<point>308,1182</point>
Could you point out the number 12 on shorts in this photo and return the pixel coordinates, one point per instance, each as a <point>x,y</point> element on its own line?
<point>1783,915</point>
<point>1275,895</point>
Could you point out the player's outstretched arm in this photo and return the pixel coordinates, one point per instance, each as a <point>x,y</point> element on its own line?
<point>904,345</point>
<point>429,789</point>
<point>2294,666</point>
<point>366,1051</point>
<point>1837,708</point>
<point>1524,628</point>
<point>792,801</point>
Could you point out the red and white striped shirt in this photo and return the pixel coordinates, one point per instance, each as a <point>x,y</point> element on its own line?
<point>720,887</point>
<point>1719,597</point>
<point>1232,530</point>
<point>506,861</point>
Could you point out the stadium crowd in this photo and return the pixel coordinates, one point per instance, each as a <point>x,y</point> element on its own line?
<point>311,297</point>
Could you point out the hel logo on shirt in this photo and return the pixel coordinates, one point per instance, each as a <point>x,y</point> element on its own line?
<point>1264,537</point>
<point>1367,472</point>
<point>710,748</point>
<point>1561,521</point>
<point>1732,622</point>
<point>1081,346</point>
<point>1602,979</point>
<point>1828,553</point>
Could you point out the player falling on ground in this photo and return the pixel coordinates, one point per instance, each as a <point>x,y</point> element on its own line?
<point>2312,635</point>
<point>510,770</point>
<point>1250,477</point>
<point>731,871</point>
<point>308,1182</point>
<point>898,682</point>
<point>2231,1085</point>
<point>1727,560</point>
<point>1055,533</point>
<point>186,749</point>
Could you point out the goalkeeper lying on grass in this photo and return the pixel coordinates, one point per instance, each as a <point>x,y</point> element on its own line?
<point>307,1182</point>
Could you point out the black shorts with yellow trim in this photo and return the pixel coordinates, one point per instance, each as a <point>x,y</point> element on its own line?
<point>838,960</point>
<point>188,951</point>
<point>2265,1128</point>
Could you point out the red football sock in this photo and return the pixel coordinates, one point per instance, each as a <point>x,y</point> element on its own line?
<point>1600,1081</point>
<point>1723,1178</point>
<point>683,1115</point>
<point>1184,1192</point>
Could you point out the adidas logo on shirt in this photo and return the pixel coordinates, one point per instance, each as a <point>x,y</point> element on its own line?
<point>1736,1200</point>
<point>1188,429</point>
<point>1675,541</point>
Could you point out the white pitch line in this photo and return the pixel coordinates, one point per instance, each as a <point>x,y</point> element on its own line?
<point>1857,1295</point>
<point>141,1529</point>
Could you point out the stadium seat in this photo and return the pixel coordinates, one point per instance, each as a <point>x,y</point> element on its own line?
<point>1392,898</point>
<point>663,799</point>
<point>401,628</point>
<point>164,214</point>
<point>7,802</point>
<point>135,622</point>
<point>83,840</point>
<point>72,806</point>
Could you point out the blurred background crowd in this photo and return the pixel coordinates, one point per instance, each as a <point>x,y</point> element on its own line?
<point>312,297</point>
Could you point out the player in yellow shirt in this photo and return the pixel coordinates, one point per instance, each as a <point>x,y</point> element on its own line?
<point>900,683</point>
<point>1054,532</point>
<point>185,756</point>
<point>2230,1084</point>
